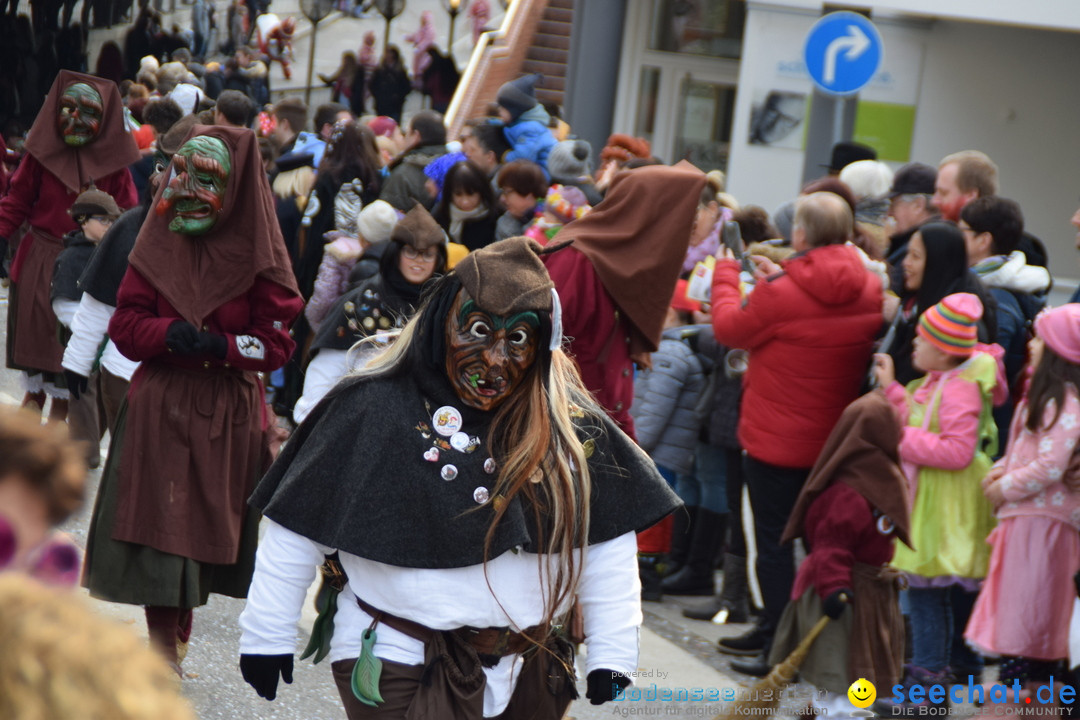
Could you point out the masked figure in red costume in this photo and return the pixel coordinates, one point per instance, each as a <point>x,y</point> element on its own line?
<point>78,139</point>
<point>205,306</point>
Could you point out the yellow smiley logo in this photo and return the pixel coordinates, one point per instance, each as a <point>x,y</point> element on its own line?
<point>862,693</point>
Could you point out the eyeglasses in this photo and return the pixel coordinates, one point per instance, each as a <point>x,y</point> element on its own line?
<point>103,219</point>
<point>411,253</point>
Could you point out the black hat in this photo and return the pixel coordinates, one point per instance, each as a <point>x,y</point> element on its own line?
<point>913,179</point>
<point>845,153</point>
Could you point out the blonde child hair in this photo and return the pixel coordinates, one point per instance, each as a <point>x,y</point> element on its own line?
<point>61,660</point>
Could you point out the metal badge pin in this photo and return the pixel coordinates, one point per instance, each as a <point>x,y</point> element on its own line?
<point>480,495</point>
<point>449,472</point>
<point>490,466</point>
<point>446,420</point>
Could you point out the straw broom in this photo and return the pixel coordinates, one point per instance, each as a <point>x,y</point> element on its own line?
<point>775,681</point>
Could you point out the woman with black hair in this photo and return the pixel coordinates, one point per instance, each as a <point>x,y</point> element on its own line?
<point>465,209</point>
<point>935,266</point>
<point>416,253</point>
<point>348,180</point>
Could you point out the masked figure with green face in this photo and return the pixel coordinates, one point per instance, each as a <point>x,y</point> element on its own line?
<point>78,139</point>
<point>81,110</point>
<point>471,489</point>
<point>205,306</point>
<point>196,192</point>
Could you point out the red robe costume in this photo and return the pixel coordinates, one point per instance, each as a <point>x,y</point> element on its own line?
<point>50,177</point>
<point>171,524</point>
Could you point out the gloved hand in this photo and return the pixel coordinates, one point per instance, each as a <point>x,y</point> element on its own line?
<point>3,257</point>
<point>214,344</point>
<point>836,602</point>
<point>182,338</point>
<point>261,672</point>
<point>602,684</point>
<point>76,383</point>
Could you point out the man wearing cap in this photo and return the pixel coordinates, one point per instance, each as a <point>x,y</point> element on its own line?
<point>94,211</point>
<point>466,487</point>
<point>909,206</point>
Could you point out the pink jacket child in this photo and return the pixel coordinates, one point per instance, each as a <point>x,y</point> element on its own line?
<point>374,225</point>
<point>1025,605</point>
<point>421,40</point>
<point>946,446</point>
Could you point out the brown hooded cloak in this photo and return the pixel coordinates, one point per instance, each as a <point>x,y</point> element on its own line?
<point>76,167</point>
<point>198,274</point>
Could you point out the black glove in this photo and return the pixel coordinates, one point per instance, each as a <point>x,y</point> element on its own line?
<point>603,685</point>
<point>76,383</point>
<point>3,257</point>
<point>836,602</point>
<point>261,672</point>
<point>1076,581</point>
<point>182,338</point>
<point>214,344</point>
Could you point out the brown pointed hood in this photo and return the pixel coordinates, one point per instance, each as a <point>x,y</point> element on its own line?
<point>198,274</point>
<point>111,150</point>
<point>636,240</point>
<point>863,452</point>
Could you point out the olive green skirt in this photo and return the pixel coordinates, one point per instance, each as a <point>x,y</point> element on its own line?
<point>140,575</point>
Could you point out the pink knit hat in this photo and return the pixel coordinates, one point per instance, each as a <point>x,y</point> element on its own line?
<point>1060,329</point>
<point>950,326</point>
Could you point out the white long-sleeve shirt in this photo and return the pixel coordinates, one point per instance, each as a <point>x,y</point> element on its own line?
<point>89,328</point>
<point>444,599</point>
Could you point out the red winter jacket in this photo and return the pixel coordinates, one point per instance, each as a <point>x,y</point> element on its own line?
<point>810,332</point>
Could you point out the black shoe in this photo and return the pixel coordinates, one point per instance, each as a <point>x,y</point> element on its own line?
<point>756,666</point>
<point>689,581</point>
<point>751,642</point>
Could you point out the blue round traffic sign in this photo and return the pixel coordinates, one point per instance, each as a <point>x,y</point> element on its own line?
<point>842,52</point>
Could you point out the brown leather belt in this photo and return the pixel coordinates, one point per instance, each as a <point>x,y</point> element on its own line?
<point>493,641</point>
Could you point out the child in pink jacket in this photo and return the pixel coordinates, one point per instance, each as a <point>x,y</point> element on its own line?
<point>945,450</point>
<point>1024,609</point>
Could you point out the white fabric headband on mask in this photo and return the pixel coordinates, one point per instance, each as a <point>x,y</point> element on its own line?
<point>556,321</point>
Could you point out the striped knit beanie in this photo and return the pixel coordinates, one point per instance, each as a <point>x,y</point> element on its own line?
<point>950,326</point>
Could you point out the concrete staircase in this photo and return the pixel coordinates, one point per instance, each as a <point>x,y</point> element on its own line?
<point>534,37</point>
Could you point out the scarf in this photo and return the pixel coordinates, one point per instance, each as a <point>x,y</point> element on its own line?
<point>459,217</point>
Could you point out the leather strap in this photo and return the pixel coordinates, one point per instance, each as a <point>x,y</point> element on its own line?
<point>494,641</point>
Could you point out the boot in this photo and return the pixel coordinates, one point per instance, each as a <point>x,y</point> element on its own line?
<point>682,533</point>
<point>696,577</point>
<point>752,642</point>
<point>735,593</point>
<point>757,666</point>
<point>650,576</point>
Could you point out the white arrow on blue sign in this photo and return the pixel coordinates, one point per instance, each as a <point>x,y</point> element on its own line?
<point>842,52</point>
